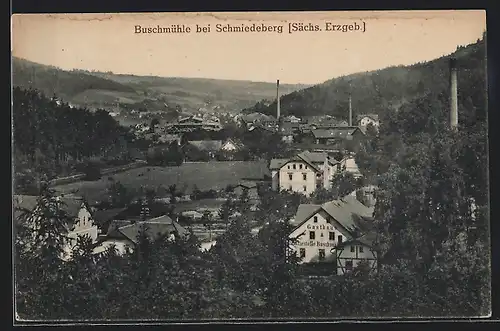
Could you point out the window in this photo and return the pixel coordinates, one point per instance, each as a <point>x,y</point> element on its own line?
<point>294,166</point>
<point>321,254</point>
<point>353,249</point>
<point>361,249</point>
<point>312,235</point>
<point>304,188</point>
<point>290,187</point>
<point>315,219</point>
<point>331,236</point>
<point>304,176</point>
<point>290,176</point>
<point>288,166</point>
<point>339,239</point>
<point>348,265</point>
<point>300,166</point>
<point>302,252</point>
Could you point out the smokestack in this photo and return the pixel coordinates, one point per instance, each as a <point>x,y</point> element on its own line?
<point>453,94</point>
<point>350,110</point>
<point>278,99</point>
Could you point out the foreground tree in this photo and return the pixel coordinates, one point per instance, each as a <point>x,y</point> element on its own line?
<point>41,275</point>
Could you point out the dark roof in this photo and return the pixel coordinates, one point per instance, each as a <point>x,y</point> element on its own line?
<point>257,117</point>
<point>247,184</point>
<point>70,204</point>
<point>367,239</point>
<point>348,211</point>
<point>107,215</point>
<point>337,132</point>
<point>305,211</point>
<point>156,227</point>
<point>258,127</point>
<point>312,159</point>
<point>277,163</point>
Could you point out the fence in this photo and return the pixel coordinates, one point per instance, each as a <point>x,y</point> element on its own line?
<point>108,171</point>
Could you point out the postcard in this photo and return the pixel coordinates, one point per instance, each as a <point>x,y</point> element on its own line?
<point>250,166</point>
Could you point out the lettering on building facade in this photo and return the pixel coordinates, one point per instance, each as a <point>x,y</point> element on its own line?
<point>312,243</point>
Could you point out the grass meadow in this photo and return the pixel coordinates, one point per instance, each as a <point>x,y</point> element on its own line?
<point>205,175</point>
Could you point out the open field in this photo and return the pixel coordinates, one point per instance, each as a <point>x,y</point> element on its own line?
<point>209,175</point>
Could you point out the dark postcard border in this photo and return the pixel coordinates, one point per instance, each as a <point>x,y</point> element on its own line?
<point>493,23</point>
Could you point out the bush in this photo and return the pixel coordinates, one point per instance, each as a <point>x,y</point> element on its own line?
<point>92,171</point>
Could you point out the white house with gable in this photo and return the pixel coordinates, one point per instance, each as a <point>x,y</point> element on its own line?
<point>80,220</point>
<point>321,231</point>
<point>303,173</point>
<point>364,120</point>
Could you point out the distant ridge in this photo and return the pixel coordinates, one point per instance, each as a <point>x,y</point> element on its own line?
<point>151,93</point>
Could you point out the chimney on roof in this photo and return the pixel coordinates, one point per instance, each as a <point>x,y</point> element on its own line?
<point>278,99</point>
<point>453,94</point>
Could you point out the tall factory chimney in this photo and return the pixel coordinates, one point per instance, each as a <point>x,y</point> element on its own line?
<point>453,94</point>
<point>350,110</point>
<point>278,99</point>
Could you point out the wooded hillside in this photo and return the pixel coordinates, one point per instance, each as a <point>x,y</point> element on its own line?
<point>386,89</point>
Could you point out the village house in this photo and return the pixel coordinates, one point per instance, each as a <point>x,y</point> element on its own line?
<point>123,234</point>
<point>251,188</point>
<point>292,119</point>
<point>303,173</point>
<point>256,118</point>
<point>348,164</point>
<point>334,135</point>
<point>192,123</point>
<point>208,147</point>
<point>288,130</point>
<point>231,148</point>
<point>170,138</point>
<point>338,232</point>
<point>344,138</point>
<point>260,129</point>
<point>364,120</point>
<point>192,215</point>
<point>367,193</point>
<point>232,145</point>
<point>80,217</point>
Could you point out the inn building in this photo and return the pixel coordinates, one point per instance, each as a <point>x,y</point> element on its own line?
<point>338,232</point>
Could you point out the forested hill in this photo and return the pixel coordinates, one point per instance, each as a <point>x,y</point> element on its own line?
<point>93,89</point>
<point>381,90</point>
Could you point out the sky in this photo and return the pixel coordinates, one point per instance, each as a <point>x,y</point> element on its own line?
<point>108,42</point>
